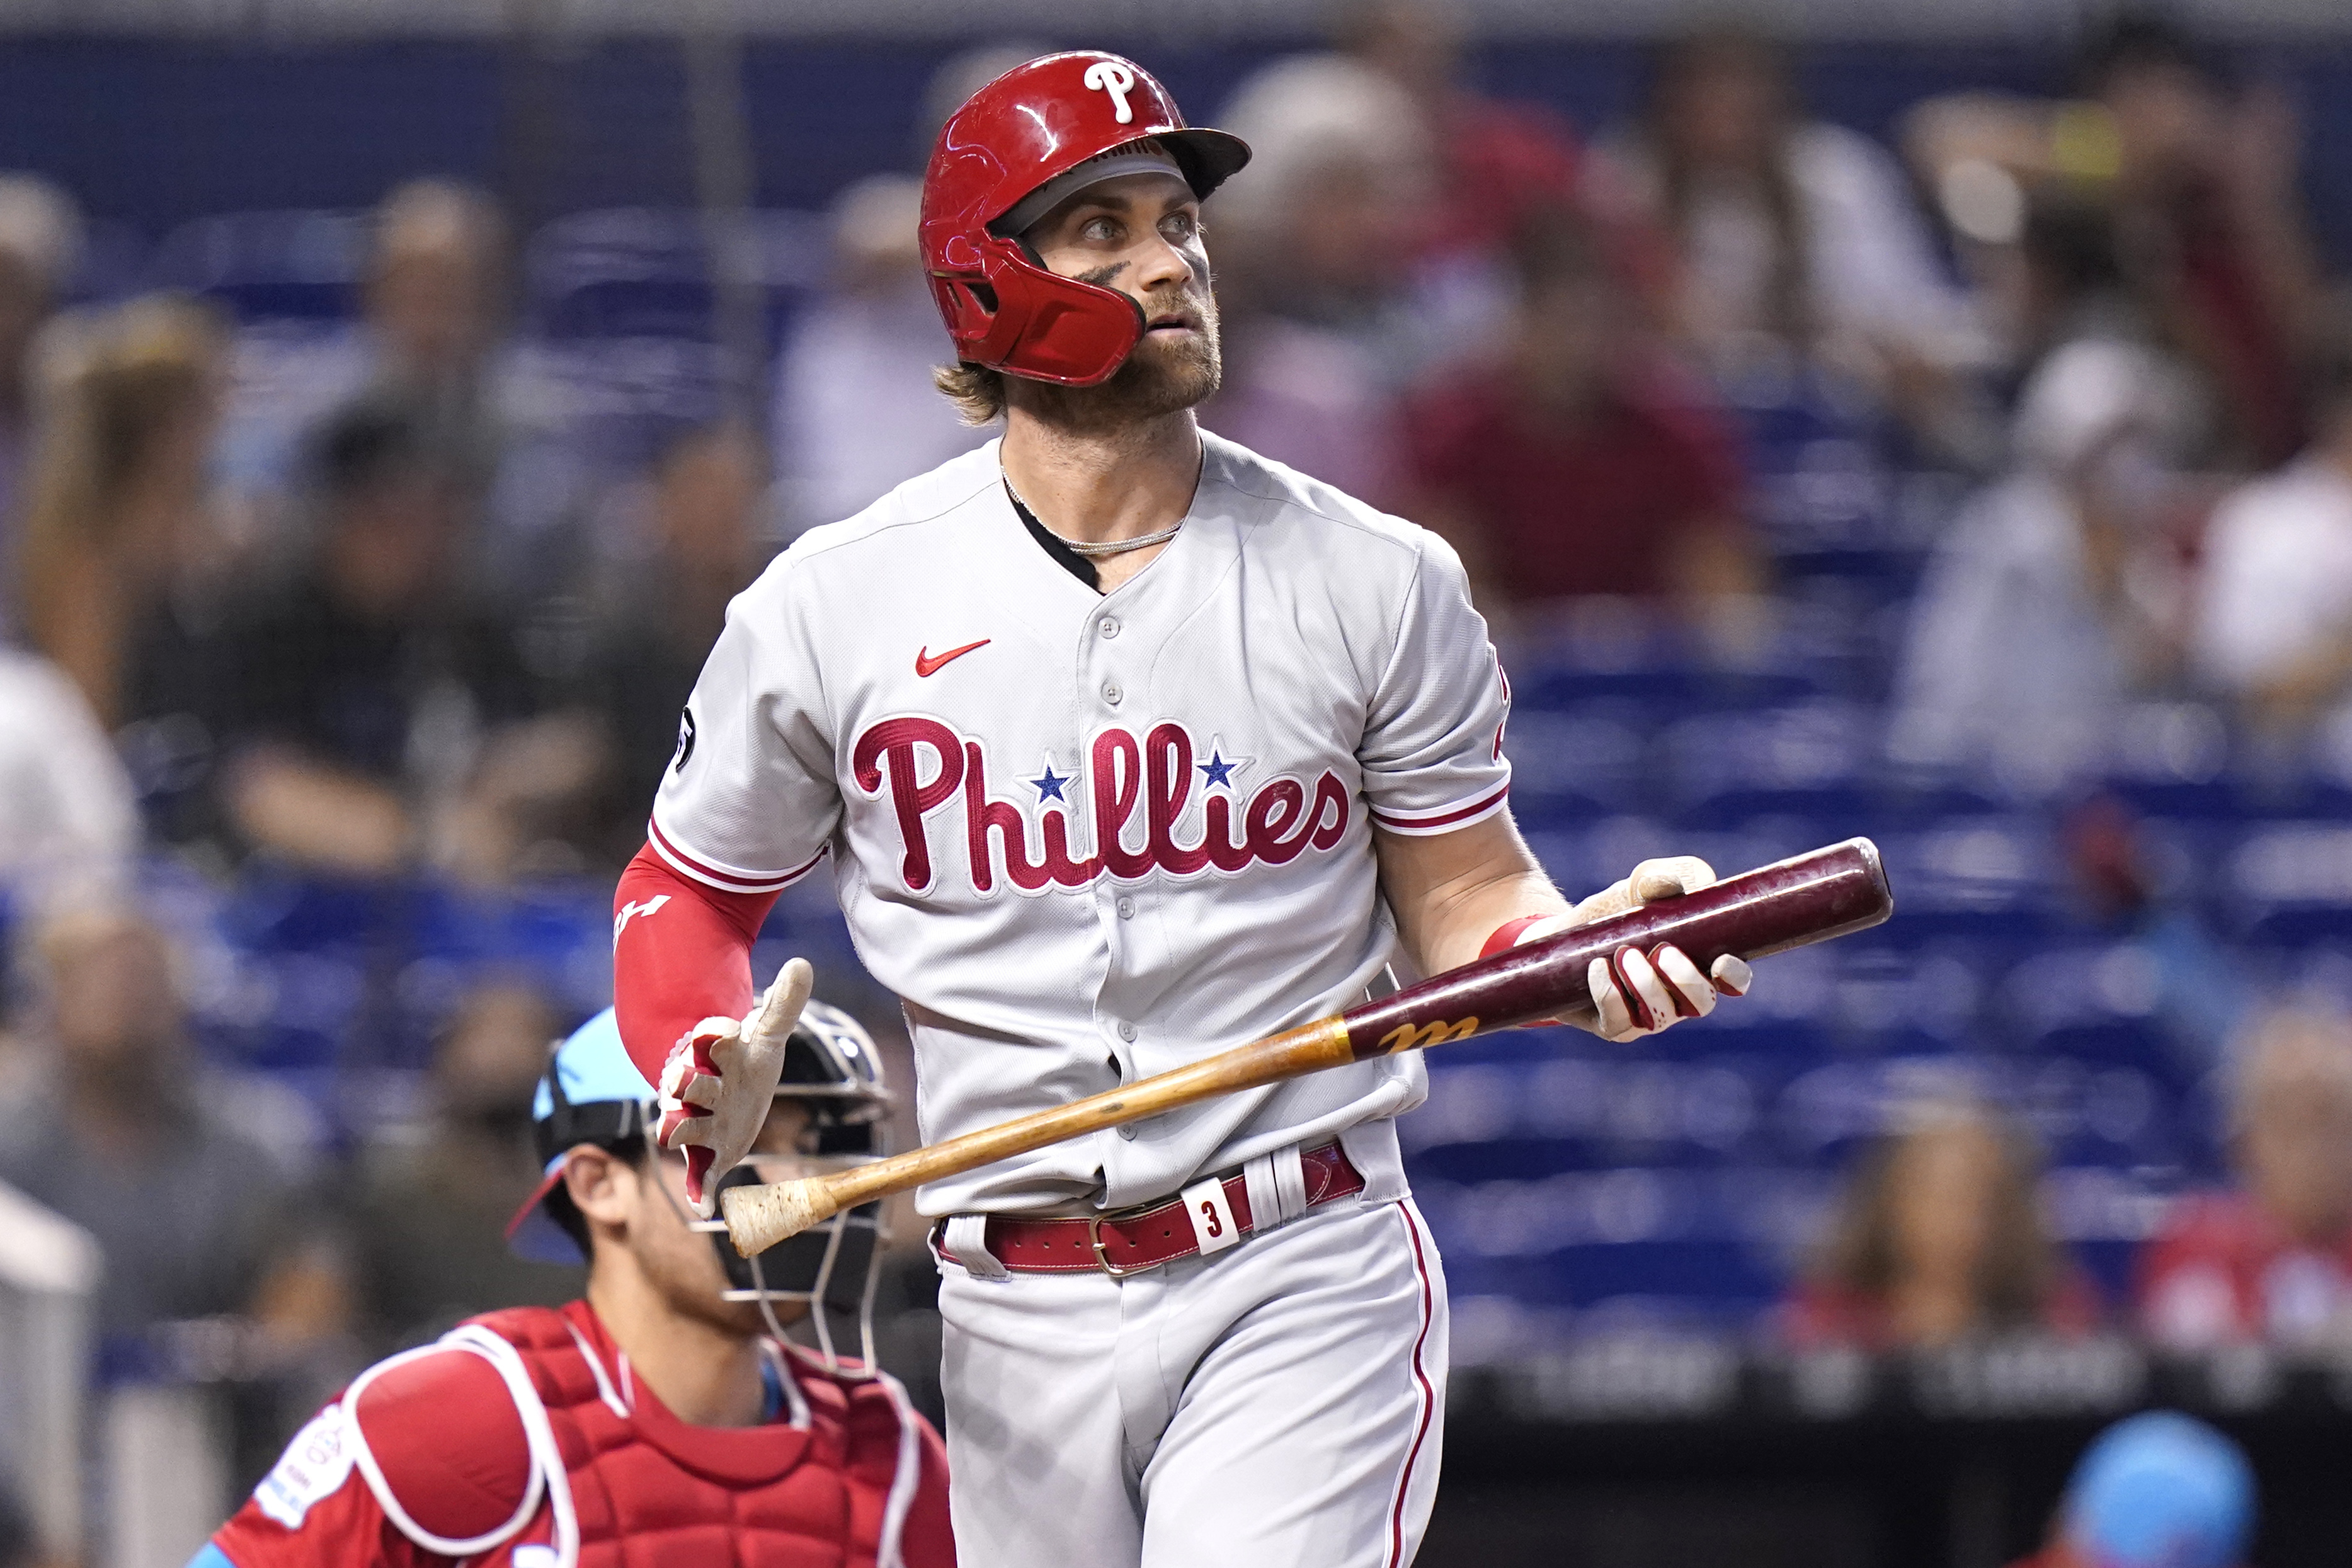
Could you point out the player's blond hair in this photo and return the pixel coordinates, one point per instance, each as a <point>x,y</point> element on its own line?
<point>977,391</point>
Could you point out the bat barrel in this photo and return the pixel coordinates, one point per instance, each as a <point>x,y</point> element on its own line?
<point>1810,898</point>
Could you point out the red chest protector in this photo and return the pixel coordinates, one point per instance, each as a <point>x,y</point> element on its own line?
<point>522,1438</point>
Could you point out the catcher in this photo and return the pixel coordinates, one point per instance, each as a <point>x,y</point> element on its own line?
<point>666,1419</point>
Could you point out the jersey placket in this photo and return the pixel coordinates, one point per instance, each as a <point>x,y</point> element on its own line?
<point>1115,657</point>
<point>1108,665</point>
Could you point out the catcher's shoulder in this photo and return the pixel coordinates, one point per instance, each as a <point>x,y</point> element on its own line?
<point>441,1441</point>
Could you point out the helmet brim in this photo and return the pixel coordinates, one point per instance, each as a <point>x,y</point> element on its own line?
<point>1209,157</point>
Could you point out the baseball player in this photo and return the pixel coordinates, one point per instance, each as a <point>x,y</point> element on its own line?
<point>654,1422</point>
<point>1127,746</point>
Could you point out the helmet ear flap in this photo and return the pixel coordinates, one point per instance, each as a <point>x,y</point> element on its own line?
<point>1042,325</point>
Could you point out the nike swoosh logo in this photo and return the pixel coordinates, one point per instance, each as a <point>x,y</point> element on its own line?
<point>927,665</point>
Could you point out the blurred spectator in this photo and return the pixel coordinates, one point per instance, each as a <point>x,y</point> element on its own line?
<point>130,1137</point>
<point>40,239</point>
<point>856,413</point>
<point>433,1199</point>
<point>2199,993</point>
<point>437,301</point>
<point>1940,1237</point>
<point>1319,233</point>
<point>2204,176</point>
<point>2158,1490</point>
<point>704,499</point>
<point>1570,468</point>
<point>1498,163</point>
<point>68,824</point>
<point>435,337</point>
<point>2207,178</point>
<point>2273,1261</point>
<point>436,294</point>
<point>1792,235</point>
<point>2274,625</point>
<point>115,523</point>
<point>1316,327</point>
<point>2058,591</point>
<point>375,712</point>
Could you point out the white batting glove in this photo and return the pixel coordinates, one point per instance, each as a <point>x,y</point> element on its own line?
<point>1636,993</point>
<point>720,1081</point>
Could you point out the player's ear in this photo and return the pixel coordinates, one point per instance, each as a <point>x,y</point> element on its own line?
<point>603,1188</point>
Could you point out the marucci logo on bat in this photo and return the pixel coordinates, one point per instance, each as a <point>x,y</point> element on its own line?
<point>923,765</point>
<point>1406,1036</point>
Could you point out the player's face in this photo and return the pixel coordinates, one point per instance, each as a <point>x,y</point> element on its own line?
<point>1140,234</point>
<point>678,1261</point>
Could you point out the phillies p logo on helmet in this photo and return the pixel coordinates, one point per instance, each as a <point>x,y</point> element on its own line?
<point>1114,79</point>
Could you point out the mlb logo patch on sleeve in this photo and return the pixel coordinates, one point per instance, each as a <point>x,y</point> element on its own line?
<point>315,1466</point>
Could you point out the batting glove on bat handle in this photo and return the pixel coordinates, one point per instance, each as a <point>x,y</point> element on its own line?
<point>1636,993</point>
<point>720,1081</point>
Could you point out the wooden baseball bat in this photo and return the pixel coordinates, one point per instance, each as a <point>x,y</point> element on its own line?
<point>1791,904</point>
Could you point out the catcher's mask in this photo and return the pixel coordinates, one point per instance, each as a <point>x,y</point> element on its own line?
<point>593,1093</point>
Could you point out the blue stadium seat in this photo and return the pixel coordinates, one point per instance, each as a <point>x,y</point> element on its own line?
<point>299,264</point>
<point>644,272</point>
<point>1797,749</point>
<point>2289,883</point>
<point>1725,1275</point>
<point>1659,693</point>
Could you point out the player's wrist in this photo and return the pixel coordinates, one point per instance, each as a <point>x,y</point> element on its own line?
<point>1525,929</point>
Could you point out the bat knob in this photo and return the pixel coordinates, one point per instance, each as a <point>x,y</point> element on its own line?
<point>759,1217</point>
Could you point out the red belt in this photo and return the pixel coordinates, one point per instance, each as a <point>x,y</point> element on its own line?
<point>1130,1240</point>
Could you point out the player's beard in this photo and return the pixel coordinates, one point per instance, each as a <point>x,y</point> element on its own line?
<point>1159,377</point>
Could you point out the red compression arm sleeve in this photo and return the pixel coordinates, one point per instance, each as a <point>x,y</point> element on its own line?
<point>681,953</point>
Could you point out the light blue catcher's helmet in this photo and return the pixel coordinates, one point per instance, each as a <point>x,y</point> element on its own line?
<point>592,1093</point>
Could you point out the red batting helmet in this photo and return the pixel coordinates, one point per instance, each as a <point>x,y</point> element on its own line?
<point>1036,122</point>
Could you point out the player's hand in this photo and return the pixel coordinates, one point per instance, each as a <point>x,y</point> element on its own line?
<point>1636,993</point>
<point>720,1081</point>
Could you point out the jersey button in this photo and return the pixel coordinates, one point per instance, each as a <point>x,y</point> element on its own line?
<point>1126,1031</point>
<point>1112,695</point>
<point>1127,1131</point>
<point>1107,626</point>
<point>1126,909</point>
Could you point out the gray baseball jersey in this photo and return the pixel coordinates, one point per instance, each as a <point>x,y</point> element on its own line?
<point>1092,837</point>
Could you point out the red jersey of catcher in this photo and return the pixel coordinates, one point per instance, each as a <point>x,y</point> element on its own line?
<point>523,1438</point>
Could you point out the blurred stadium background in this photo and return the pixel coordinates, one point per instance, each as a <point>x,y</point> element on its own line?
<point>390,391</point>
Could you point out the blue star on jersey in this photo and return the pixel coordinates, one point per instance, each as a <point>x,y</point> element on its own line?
<point>1048,784</point>
<point>1220,769</point>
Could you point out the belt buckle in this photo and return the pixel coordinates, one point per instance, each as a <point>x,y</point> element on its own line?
<point>1093,1240</point>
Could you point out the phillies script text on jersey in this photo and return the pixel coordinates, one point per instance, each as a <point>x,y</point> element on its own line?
<point>925,763</point>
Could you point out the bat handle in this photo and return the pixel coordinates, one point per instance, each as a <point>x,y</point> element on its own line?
<point>759,1217</point>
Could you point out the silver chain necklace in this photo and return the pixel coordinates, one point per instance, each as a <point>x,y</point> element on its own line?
<point>1094,552</point>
